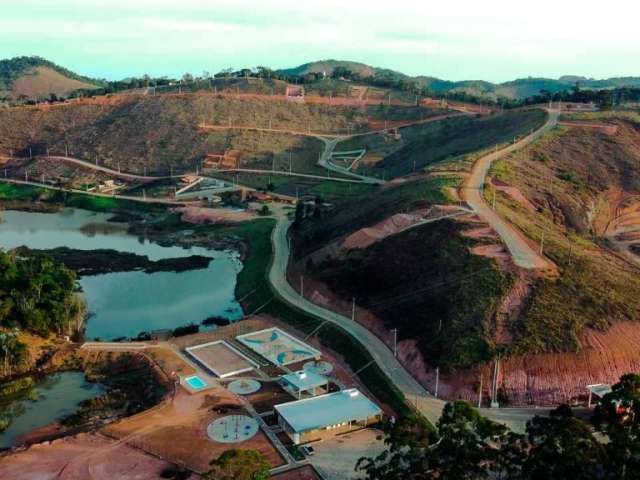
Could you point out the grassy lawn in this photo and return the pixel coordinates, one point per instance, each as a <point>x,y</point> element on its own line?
<point>10,191</point>
<point>338,192</point>
<point>29,193</point>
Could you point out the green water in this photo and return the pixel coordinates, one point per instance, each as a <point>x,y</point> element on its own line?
<point>52,398</point>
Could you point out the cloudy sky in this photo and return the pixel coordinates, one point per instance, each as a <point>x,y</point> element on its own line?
<point>494,40</point>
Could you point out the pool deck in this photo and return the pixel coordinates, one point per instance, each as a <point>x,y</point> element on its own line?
<point>278,347</point>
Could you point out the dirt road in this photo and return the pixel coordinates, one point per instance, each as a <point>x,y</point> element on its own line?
<point>522,253</point>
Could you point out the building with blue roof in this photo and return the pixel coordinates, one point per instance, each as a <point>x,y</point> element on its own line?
<point>318,417</point>
<point>301,382</point>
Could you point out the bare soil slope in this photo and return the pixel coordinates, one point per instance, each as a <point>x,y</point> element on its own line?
<point>41,82</point>
<point>162,131</point>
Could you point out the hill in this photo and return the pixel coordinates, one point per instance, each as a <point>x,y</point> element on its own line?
<point>35,78</point>
<point>515,89</point>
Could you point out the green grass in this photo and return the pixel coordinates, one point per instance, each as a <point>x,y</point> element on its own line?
<point>338,191</point>
<point>10,191</point>
<point>29,193</point>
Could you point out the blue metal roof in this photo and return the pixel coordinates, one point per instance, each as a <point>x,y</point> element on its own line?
<point>326,410</point>
<point>302,380</point>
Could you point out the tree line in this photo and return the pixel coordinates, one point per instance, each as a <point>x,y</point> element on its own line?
<point>37,295</point>
<point>466,445</point>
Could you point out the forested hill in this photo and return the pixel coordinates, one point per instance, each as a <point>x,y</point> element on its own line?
<point>515,89</point>
<point>36,77</point>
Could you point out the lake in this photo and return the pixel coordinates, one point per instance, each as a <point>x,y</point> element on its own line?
<point>53,398</point>
<point>123,304</point>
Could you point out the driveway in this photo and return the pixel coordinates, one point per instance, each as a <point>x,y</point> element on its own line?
<point>336,458</point>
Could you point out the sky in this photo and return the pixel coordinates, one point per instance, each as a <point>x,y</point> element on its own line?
<point>494,40</point>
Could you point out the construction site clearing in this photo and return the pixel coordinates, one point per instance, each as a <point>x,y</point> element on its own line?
<point>222,394</point>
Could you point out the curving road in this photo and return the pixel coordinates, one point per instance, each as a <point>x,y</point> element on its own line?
<point>523,254</point>
<point>110,171</point>
<point>414,393</point>
<point>324,161</point>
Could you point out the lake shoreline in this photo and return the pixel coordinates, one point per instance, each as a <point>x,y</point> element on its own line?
<point>112,404</point>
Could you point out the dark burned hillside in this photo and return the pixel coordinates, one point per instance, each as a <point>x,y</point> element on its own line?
<point>424,281</point>
<point>427,284</point>
<point>365,210</point>
<point>434,142</point>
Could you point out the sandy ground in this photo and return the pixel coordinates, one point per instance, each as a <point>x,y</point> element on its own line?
<point>84,457</point>
<point>177,432</point>
<point>199,215</point>
<point>335,458</point>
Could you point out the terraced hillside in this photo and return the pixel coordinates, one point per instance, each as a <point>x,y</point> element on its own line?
<point>163,131</point>
<point>579,188</point>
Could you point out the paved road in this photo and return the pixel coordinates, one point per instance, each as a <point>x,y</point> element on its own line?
<point>110,171</point>
<point>293,174</point>
<point>324,161</point>
<point>164,201</point>
<point>523,254</point>
<point>414,392</point>
<point>429,406</point>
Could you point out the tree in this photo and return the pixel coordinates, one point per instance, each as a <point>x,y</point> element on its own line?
<point>239,464</point>
<point>617,415</point>
<point>562,446</point>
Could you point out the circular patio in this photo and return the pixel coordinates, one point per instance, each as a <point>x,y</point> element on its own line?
<point>244,387</point>
<point>232,429</point>
<point>320,368</point>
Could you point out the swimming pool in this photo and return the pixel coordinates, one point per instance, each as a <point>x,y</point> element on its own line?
<point>195,382</point>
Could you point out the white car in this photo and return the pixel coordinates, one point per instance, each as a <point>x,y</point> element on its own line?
<point>308,450</point>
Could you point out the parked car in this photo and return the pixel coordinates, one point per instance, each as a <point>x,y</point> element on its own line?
<point>308,450</point>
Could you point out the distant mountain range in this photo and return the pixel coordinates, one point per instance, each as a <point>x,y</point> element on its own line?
<point>38,78</point>
<point>515,89</point>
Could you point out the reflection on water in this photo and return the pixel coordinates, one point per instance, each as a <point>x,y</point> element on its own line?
<point>53,398</point>
<point>123,304</point>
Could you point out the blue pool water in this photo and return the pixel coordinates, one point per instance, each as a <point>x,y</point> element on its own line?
<point>196,382</point>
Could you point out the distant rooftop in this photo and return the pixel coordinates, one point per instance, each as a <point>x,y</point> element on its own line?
<point>303,381</point>
<point>600,389</point>
<point>325,410</point>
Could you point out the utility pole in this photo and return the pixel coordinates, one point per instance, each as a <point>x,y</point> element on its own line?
<point>395,342</point>
<point>437,381</point>
<point>289,162</point>
<point>302,286</point>
<point>494,389</point>
<point>353,309</point>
